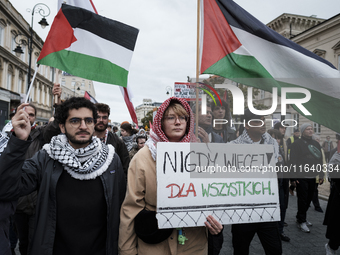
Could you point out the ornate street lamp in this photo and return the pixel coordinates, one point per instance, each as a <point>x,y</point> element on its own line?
<point>44,11</point>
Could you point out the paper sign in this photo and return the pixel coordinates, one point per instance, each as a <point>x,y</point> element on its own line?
<point>234,183</point>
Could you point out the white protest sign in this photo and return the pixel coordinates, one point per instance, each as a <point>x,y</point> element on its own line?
<point>186,90</point>
<point>234,183</point>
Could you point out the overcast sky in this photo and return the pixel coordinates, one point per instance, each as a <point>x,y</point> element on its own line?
<point>165,51</point>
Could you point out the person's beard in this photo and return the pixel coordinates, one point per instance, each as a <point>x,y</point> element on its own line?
<point>100,129</point>
<point>73,140</point>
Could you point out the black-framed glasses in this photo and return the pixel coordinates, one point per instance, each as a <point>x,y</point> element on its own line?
<point>172,119</point>
<point>76,122</point>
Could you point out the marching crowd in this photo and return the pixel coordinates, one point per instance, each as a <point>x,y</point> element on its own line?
<point>73,186</point>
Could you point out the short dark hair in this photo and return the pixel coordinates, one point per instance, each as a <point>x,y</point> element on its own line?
<point>103,108</point>
<point>128,128</point>
<point>277,134</point>
<point>62,110</point>
<point>248,115</point>
<point>140,137</point>
<point>226,107</point>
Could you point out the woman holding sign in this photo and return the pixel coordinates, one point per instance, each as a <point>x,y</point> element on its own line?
<point>138,232</point>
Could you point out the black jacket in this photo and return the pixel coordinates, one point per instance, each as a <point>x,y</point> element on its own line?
<point>120,148</point>
<point>301,158</point>
<point>20,177</point>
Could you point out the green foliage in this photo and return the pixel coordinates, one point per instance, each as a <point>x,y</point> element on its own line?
<point>148,118</point>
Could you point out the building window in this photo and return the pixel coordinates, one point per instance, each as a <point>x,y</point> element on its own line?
<point>52,74</point>
<point>13,44</point>
<point>19,85</point>
<point>262,94</point>
<point>296,118</point>
<point>38,95</point>
<point>317,128</point>
<point>2,32</point>
<point>43,95</point>
<point>32,96</point>
<point>10,75</point>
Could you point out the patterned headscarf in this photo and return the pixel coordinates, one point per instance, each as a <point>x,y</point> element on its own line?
<point>158,135</point>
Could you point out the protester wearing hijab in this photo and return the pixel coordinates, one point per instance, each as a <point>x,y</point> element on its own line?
<point>139,234</point>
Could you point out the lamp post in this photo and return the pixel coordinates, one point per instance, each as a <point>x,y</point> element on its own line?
<point>74,88</point>
<point>44,11</point>
<point>168,88</point>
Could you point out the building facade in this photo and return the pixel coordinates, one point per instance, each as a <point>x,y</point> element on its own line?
<point>14,68</point>
<point>143,109</point>
<point>75,86</point>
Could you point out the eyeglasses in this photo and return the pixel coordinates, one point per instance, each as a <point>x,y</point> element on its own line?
<point>76,122</point>
<point>102,117</point>
<point>172,119</point>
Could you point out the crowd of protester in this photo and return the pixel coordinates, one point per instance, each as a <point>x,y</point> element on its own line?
<point>79,185</point>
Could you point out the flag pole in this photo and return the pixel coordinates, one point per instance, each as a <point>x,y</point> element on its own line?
<point>197,64</point>
<point>29,89</point>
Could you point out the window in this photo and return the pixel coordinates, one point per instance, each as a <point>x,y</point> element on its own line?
<point>19,85</point>
<point>52,74</point>
<point>32,96</point>
<point>2,32</point>
<point>10,74</point>
<point>43,93</point>
<point>13,44</point>
<point>38,96</point>
<point>48,97</point>
<point>317,128</point>
<point>262,94</point>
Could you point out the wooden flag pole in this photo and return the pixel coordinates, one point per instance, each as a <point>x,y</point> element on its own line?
<point>197,64</point>
<point>57,80</point>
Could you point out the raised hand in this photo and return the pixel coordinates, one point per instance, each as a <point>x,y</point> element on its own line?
<point>56,91</point>
<point>21,123</point>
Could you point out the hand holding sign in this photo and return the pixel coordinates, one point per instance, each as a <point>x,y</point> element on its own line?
<point>213,225</point>
<point>21,123</point>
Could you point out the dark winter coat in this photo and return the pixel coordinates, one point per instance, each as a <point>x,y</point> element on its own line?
<point>20,177</point>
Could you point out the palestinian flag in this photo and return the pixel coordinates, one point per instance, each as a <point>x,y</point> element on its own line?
<point>88,96</point>
<point>239,47</point>
<point>90,46</point>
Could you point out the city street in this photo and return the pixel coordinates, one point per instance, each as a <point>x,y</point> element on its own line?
<point>312,243</point>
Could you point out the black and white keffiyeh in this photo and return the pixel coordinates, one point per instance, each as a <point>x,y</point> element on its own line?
<point>267,139</point>
<point>84,163</point>
<point>129,141</point>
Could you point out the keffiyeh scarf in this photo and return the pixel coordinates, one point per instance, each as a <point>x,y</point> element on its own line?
<point>157,134</point>
<point>267,139</point>
<point>129,141</point>
<point>84,163</point>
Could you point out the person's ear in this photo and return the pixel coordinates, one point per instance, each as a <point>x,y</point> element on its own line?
<point>62,128</point>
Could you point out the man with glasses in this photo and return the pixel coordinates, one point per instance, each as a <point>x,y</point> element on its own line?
<point>80,182</point>
<point>101,131</point>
